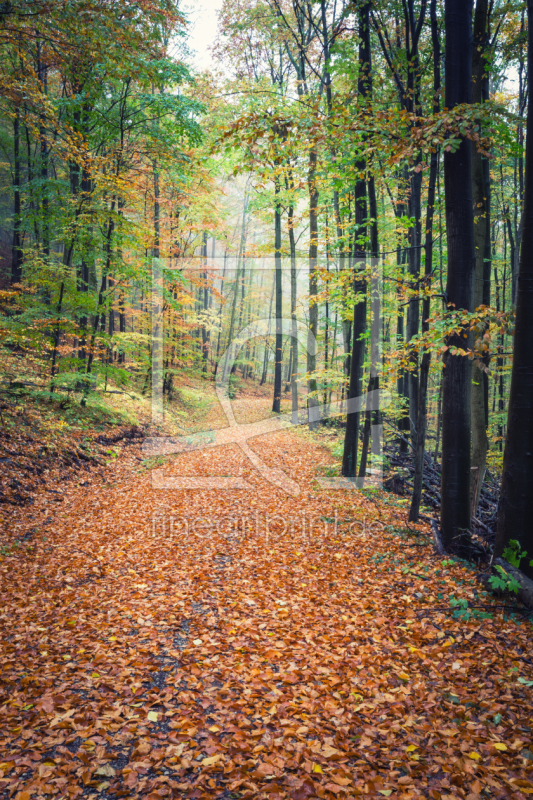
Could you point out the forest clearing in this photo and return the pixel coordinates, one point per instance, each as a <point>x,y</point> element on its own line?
<point>266,399</point>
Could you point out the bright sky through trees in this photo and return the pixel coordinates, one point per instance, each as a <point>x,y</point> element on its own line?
<point>203,17</point>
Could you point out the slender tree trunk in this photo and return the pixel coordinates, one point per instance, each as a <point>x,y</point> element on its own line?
<point>267,352</point>
<point>16,250</point>
<point>351,439</point>
<point>515,513</point>
<point>205,293</point>
<point>101,294</point>
<point>404,426</point>
<point>413,308</point>
<point>221,302</point>
<point>456,418</point>
<point>481,199</point>
<point>421,420</point>
<point>276,403</point>
<point>289,372</point>
<point>240,258</point>
<point>42,72</point>
<point>373,383</point>
<point>312,402</point>
<point>294,339</point>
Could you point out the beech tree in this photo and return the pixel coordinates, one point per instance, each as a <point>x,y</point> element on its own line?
<point>456,415</point>
<point>515,512</point>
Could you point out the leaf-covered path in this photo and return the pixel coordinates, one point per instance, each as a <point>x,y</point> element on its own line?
<point>251,644</point>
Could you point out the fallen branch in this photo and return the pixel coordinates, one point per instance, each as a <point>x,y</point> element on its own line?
<point>525,593</point>
<point>437,541</point>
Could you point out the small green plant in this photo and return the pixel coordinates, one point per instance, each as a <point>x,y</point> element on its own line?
<point>514,554</point>
<point>233,386</point>
<point>463,612</point>
<point>504,582</point>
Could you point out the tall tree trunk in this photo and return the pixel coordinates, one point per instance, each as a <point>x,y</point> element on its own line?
<point>276,403</point>
<point>515,513</point>
<point>42,71</point>
<point>101,294</point>
<point>16,250</point>
<point>312,402</point>
<point>373,383</point>
<point>294,294</point>
<point>456,418</point>
<point>240,257</point>
<point>404,425</point>
<point>481,199</point>
<point>421,419</point>
<point>413,308</point>
<point>205,292</point>
<point>267,352</point>
<point>351,439</point>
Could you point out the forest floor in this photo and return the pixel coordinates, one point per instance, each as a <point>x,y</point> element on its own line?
<point>247,643</point>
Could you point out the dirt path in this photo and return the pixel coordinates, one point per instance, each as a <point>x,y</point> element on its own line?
<point>248,643</point>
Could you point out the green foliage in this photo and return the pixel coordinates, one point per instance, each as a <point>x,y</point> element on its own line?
<point>503,581</point>
<point>514,554</point>
<point>462,611</point>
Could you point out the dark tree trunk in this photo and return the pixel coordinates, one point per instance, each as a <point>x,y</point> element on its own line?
<point>16,250</point>
<point>294,328</point>
<point>421,420</point>
<point>351,439</point>
<point>515,515</point>
<point>373,383</point>
<point>455,479</point>
<point>267,351</point>
<point>312,402</point>
<point>42,72</point>
<point>242,247</point>
<point>276,403</point>
<point>481,199</point>
<point>205,293</point>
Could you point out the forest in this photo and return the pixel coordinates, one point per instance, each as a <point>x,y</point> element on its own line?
<point>264,330</point>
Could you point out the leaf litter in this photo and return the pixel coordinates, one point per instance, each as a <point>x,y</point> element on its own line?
<point>250,644</point>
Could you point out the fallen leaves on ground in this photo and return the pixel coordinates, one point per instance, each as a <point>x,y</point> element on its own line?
<point>249,644</point>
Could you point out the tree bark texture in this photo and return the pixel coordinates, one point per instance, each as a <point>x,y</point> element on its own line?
<point>515,514</point>
<point>456,416</point>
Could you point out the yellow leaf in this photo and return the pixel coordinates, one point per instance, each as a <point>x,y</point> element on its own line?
<point>214,728</point>
<point>411,748</point>
<point>153,716</point>
<point>475,756</point>
<point>197,642</point>
<point>211,760</point>
<point>404,676</point>
<point>318,768</point>
<point>386,792</point>
<point>106,770</point>
<point>500,746</point>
